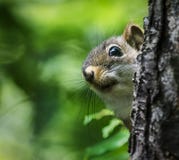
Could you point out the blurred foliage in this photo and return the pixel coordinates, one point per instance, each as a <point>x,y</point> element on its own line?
<point>46,110</point>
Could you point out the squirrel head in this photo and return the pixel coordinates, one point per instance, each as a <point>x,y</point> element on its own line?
<point>109,67</point>
<point>103,64</point>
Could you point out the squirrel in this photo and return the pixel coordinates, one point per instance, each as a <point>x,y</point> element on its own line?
<point>109,68</point>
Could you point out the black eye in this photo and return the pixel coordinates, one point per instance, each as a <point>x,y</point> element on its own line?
<point>115,51</point>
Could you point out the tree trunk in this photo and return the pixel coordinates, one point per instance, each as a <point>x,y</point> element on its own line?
<point>155,121</point>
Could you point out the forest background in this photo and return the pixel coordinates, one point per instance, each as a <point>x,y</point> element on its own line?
<point>46,110</point>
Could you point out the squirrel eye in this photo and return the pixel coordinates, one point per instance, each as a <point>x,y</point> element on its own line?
<point>115,51</point>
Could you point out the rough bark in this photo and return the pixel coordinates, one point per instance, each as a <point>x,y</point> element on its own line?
<point>155,122</point>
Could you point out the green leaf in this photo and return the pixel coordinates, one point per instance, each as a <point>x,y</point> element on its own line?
<point>109,128</point>
<point>97,116</point>
<point>107,145</point>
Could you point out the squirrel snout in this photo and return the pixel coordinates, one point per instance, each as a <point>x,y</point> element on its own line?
<point>88,73</point>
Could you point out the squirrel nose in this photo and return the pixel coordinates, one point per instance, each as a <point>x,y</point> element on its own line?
<point>88,74</point>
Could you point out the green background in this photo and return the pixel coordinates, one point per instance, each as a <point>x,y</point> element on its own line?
<point>47,111</point>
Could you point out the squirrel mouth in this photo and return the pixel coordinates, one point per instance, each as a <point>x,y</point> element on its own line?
<point>105,87</point>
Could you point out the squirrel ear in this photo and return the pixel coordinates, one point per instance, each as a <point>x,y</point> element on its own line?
<point>134,36</point>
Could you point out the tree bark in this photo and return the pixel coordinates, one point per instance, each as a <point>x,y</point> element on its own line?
<point>155,122</point>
